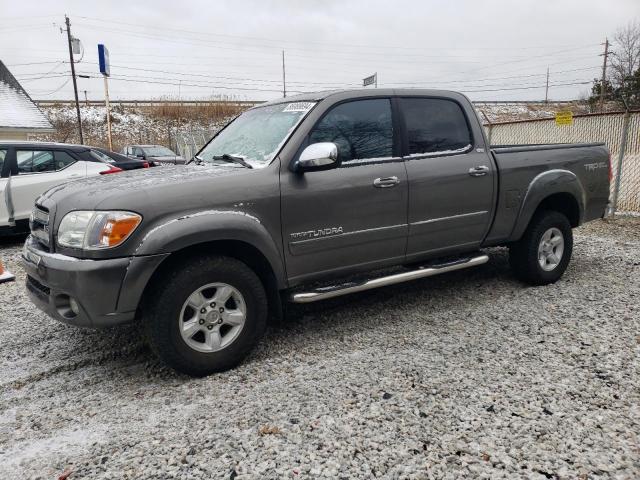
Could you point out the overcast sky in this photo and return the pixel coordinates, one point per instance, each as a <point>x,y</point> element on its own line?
<point>490,49</point>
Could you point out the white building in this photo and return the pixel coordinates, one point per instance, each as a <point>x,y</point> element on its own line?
<point>20,118</point>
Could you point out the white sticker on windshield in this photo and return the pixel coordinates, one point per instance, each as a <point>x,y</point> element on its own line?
<point>298,107</point>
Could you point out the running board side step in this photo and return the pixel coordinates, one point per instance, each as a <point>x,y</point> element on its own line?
<point>325,293</point>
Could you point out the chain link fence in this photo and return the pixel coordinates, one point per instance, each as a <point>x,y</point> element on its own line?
<point>189,142</point>
<point>619,131</point>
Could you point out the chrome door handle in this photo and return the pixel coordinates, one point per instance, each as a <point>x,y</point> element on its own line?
<point>386,182</point>
<point>479,171</point>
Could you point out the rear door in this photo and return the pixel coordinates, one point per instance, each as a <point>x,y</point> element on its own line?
<point>353,217</point>
<point>37,170</point>
<point>451,177</point>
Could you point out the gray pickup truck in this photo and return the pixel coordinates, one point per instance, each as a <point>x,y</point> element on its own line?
<point>303,199</point>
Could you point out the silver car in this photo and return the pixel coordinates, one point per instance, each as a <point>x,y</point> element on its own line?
<point>157,154</point>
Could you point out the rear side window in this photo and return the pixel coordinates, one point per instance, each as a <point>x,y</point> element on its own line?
<point>102,157</point>
<point>41,161</point>
<point>63,160</point>
<point>35,161</point>
<point>362,129</point>
<point>3,154</point>
<point>435,125</point>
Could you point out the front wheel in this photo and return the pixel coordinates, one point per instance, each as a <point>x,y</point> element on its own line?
<point>206,315</point>
<point>542,254</point>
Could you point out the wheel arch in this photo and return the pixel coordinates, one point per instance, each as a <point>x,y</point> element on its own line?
<point>240,250</point>
<point>557,190</point>
<point>231,233</point>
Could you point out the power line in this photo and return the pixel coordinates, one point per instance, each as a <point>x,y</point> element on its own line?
<point>211,86</point>
<point>465,83</point>
<point>526,88</point>
<point>235,46</point>
<point>33,63</point>
<point>57,89</point>
<point>225,87</point>
<point>280,41</point>
<point>42,76</point>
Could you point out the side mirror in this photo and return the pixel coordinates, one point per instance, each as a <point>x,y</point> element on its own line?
<point>318,156</point>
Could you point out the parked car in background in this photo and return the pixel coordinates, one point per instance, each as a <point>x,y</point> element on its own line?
<point>27,169</point>
<point>118,160</point>
<point>153,153</point>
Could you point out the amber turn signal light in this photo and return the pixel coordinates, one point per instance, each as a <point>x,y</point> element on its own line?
<point>117,228</point>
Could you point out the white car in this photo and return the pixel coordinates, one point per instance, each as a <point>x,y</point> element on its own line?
<point>28,169</point>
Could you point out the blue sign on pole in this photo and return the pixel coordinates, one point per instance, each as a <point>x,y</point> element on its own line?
<point>103,60</point>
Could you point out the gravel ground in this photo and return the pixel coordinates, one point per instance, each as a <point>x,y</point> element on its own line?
<point>470,374</point>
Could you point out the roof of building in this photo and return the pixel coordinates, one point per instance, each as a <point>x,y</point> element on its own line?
<point>17,110</point>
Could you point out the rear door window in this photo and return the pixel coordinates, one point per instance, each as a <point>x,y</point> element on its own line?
<point>435,126</point>
<point>42,161</point>
<point>35,161</point>
<point>3,154</point>
<point>362,129</point>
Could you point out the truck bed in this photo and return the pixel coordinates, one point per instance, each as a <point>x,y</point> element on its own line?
<point>521,167</point>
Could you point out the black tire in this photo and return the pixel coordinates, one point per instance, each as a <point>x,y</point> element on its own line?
<point>523,255</point>
<point>162,314</point>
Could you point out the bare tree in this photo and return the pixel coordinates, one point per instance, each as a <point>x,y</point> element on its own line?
<point>626,58</point>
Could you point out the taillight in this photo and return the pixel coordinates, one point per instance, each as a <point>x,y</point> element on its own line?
<point>610,169</point>
<point>111,170</point>
<point>145,164</point>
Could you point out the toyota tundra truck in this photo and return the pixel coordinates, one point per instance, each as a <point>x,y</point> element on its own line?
<point>304,199</point>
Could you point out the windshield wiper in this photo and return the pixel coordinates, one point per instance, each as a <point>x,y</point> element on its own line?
<point>232,159</point>
<point>197,160</point>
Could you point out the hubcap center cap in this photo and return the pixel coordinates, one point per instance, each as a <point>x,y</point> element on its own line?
<point>212,317</point>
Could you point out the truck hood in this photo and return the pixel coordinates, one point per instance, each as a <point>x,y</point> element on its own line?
<point>137,190</point>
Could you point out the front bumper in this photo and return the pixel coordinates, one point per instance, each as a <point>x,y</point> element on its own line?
<point>86,293</point>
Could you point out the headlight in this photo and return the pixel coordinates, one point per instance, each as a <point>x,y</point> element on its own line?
<point>94,230</point>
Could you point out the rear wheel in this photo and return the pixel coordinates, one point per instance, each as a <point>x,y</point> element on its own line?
<point>544,251</point>
<point>206,316</point>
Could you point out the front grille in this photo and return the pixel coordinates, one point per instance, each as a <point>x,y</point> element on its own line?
<point>39,224</point>
<point>36,287</point>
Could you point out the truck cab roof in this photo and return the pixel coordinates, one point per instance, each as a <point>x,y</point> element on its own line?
<point>364,92</point>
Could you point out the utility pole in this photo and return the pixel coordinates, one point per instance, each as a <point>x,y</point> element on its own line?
<point>603,83</point>
<point>284,78</point>
<point>546,92</point>
<point>73,76</point>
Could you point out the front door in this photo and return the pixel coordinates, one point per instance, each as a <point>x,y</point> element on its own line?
<point>353,217</point>
<point>37,171</point>
<point>451,178</point>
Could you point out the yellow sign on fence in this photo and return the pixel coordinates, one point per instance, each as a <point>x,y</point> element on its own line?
<point>564,118</point>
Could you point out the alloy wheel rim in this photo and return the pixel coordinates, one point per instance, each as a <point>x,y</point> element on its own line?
<point>212,317</point>
<point>550,249</point>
